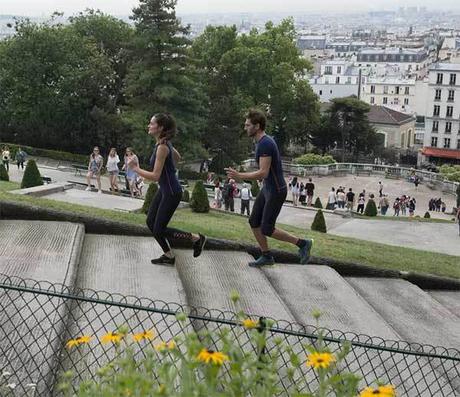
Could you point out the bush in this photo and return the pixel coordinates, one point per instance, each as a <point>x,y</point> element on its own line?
<point>187,173</point>
<point>255,189</point>
<point>51,154</point>
<point>31,176</point>
<point>427,215</point>
<point>200,201</point>
<point>319,223</point>
<point>186,196</point>
<point>318,203</point>
<point>314,159</point>
<point>151,192</point>
<point>3,173</point>
<point>371,208</point>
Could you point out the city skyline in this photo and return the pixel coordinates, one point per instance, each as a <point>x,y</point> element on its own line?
<point>69,7</point>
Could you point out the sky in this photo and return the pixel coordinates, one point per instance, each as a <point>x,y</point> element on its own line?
<point>123,7</point>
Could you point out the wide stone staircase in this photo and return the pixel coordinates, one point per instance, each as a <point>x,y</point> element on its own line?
<point>61,253</point>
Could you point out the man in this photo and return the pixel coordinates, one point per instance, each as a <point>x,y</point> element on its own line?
<point>350,200</point>
<point>20,158</point>
<point>270,200</point>
<point>309,188</point>
<point>380,189</point>
<point>228,195</point>
<point>245,196</point>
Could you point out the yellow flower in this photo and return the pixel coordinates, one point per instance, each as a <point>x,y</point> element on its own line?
<point>383,391</point>
<point>165,346</point>
<point>320,360</point>
<point>113,337</point>
<point>250,324</point>
<point>85,339</point>
<point>147,335</point>
<point>210,356</point>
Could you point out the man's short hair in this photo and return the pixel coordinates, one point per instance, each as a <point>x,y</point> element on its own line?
<point>257,117</point>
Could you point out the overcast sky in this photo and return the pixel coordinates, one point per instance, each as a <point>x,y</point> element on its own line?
<point>123,7</point>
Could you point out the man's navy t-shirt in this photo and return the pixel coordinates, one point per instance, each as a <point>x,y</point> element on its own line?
<point>274,182</point>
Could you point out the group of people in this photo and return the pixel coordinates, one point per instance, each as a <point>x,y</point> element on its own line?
<point>134,182</point>
<point>20,158</point>
<point>403,204</point>
<point>437,205</point>
<point>301,193</point>
<point>227,192</point>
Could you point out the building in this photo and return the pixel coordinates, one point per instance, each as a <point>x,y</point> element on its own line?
<point>442,122</point>
<point>311,42</point>
<point>346,49</point>
<point>397,128</point>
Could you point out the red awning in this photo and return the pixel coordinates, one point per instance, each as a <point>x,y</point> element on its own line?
<point>444,153</point>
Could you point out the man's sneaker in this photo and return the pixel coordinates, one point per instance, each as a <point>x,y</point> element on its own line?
<point>304,252</point>
<point>198,246</point>
<point>88,189</point>
<point>164,260</point>
<point>263,260</point>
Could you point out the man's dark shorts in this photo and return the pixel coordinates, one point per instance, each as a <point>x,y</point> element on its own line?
<point>266,209</point>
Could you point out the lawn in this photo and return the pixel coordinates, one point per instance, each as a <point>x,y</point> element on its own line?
<point>234,227</point>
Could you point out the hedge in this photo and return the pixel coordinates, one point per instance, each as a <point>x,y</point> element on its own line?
<point>200,201</point>
<point>3,173</point>
<point>314,159</point>
<point>52,154</point>
<point>151,192</point>
<point>31,176</point>
<point>319,223</point>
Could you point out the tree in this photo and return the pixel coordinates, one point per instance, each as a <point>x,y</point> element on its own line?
<point>200,200</point>
<point>319,223</point>
<point>3,173</point>
<point>371,208</point>
<point>185,196</point>
<point>151,192</point>
<point>31,176</point>
<point>318,203</point>
<point>427,215</point>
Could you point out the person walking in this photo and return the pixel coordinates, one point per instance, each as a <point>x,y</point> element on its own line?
<point>228,194</point>
<point>396,207</point>
<point>295,190</point>
<point>302,194</point>
<point>416,182</point>
<point>218,193</point>
<point>112,169</point>
<point>6,158</point>
<point>20,158</point>
<point>350,199</point>
<point>96,161</point>
<point>162,128</point>
<point>331,200</point>
<point>380,189</point>
<point>384,204</point>
<point>270,199</point>
<point>309,189</point>
<point>245,197</point>
<point>361,202</point>
<point>411,207</point>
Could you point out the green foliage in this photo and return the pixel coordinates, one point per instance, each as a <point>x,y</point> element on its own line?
<point>3,173</point>
<point>151,192</point>
<point>314,159</point>
<point>458,195</point>
<point>187,173</point>
<point>318,203</point>
<point>51,154</point>
<point>427,215</point>
<point>185,196</point>
<point>200,200</point>
<point>319,223</point>
<point>255,189</point>
<point>371,208</point>
<point>31,176</point>
<point>450,172</point>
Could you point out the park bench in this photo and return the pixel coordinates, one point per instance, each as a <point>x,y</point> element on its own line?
<point>79,168</point>
<point>46,179</point>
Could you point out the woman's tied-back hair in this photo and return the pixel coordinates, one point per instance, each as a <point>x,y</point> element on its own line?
<point>168,123</point>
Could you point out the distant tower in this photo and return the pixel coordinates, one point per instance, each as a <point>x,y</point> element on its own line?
<point>411,30</point>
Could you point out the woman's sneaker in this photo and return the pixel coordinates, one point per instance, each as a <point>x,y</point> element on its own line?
<point>304,252</point>
<point>263,260</point>
<point>164,260</point>
<point>198,246</point>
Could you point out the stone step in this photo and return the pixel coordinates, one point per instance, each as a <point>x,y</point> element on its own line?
<point>39,251</point>
<point>449,299</point>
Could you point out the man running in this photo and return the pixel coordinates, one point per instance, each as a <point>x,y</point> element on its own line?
<point>270,200</point>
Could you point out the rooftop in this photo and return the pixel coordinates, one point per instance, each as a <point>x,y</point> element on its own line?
<point>454,67</point>
<point>383,115</point>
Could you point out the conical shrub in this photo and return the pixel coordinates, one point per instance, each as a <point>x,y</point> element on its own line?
<point>185,196</point>
<point>318,203</point>
<point>3,173</point>
<point>151,192</point>
<point>427,215</point>
<point>371,208</point>
<point>31,176</point>
<point>255,189</point>
<point>319,223</point>
<point>200,200</point>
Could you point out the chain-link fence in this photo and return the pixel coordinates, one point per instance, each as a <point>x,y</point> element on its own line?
<point>38,318</point>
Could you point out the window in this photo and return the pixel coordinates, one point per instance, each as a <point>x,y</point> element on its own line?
<point>435,126</point>
<point>337,80</point>
<point>372,89</point>
<point>453,78</point>
<point>385,100</point>
<point>385,89</point>
<point>449,111</point>
<point>396,101</point>
<point>437,95</point>
<point>372,100</point>
<point>436,110</point>
<point>339,69</point>
<point>397,90</point>
<point>458,143</point>
<point>406,101</point>
<point>439,78</point>
<point>448,127</point>
<point>328,70</point>
<point>446,143</point>
<point>320,92</point>
<point>406,90</point>
<point>434,141</point>
<point>451,95</point>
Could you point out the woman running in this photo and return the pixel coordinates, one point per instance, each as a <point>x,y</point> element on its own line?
<point>162,127</point>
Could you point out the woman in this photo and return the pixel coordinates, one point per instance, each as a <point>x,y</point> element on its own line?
<point>131,175</point>
<point>112,169</point>
<point>302,194</point>
<point>162,127</point>
<point>6,158</point>
<point>331,200</point>
<point>295,190</point>
<point>95,164</point>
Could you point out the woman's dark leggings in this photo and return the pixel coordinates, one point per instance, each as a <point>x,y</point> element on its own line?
<point>160,213</point>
